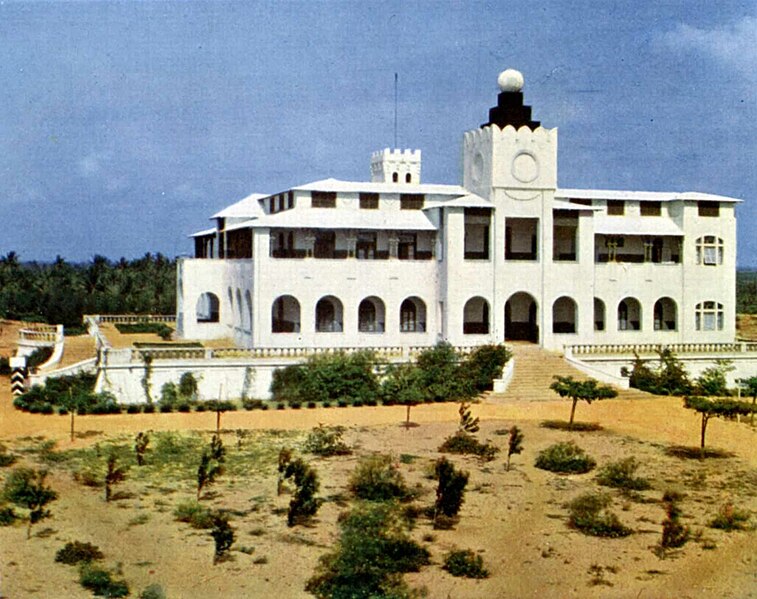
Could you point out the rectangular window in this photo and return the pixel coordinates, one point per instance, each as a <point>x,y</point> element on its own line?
<point>616,207</point>
<point>708,208</point>
<point>411,201</point>
<point>651,208</point>
<point>369,201</point>
<point>323,199</point>
<point>290,200</point>
<point>407,247</point>
<point>580,201</point>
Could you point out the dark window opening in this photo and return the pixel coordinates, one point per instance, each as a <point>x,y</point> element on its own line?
<point>323,199</point>
<point>616,207</point>
<point>708,208</point>
<point>369,201</point>
<point>651,208</point>
<point>411,201</point>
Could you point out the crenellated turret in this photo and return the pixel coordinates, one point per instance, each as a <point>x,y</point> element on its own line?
<point>396,166</point>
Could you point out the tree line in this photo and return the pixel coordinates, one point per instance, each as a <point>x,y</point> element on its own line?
<point>61,292</point>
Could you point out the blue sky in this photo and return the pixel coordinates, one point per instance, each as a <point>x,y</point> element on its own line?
<point>125,125</point>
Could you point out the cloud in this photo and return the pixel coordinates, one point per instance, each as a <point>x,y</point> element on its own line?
<point>733,45</point>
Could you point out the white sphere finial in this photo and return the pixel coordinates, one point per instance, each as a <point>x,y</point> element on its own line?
<point>510,81</point>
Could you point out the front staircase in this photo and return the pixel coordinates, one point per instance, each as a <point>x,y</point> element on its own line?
<point>532,375</point>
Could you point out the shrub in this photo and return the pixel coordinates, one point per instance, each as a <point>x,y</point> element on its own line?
<point>463,443</point>
<point>184,407</point>
<point>562,425</point>
<point>76,551</point>
<point>484,364</point>
<point>622,475</point>
<point>304,504</point>
<point>166,408</point>
<point>668,378</point>
<point>295,405</point>
<point>730,518</point>
<point>158,328</point>
<point>465,563</point>
<point>377,478</point>
<point>148,408</point>
<point>153,591</point>
<point>326,377</point>
<point>372,552</point>
<point>565,458</point>
<point>6,459</point>
<point>26,487</point>
<point>589,513</point>
<point>514,444</point>
<point>7,516</point>
<point>195,514</point>
<point>450,489</point>
<point>674,534</point>
<point>141,441</point>
<point>326,441</point>
<point>113,475</point>
<point>223,536</point>
<point>252,404</point>
<point>101,582</point>
<point>312,405</point>
<point>133,409</point>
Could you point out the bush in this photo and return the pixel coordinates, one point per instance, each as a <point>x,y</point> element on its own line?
<point>154,591</point>
<point>75,552</point>
<point>589,513</point>
<point>450,490</point>
<point>730,518</point>
<point>6,459</point>
<point>304,504</point>
<point>148,408</point>
<point>158,328</point>
<point>101,582</point>
<point>377,478</point>
<point>674,534</point>
<point>668,378</point>
<point>484,364</point>
<point>464,443</point>
<point>372,552</point>
<point>312,405</point>
<point>133,409</point>
<point>565,458</point>
<point>7,516</point>
<point>184,407</point>
<point>326,377</point>
<point>195,514</point>
<point>223,536</point>
<point>166,408</point>
<point>562,425</point>
<point>326,441</point>
<point>252,404</point>
<point>465,563</point>
<point>621,475</point>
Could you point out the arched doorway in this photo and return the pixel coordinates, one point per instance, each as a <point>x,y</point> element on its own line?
<point>521,318</point>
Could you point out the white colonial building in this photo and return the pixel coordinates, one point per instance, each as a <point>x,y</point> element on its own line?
<point>507,255</point>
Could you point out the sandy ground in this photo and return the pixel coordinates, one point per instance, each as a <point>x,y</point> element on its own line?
<point>516,520</point>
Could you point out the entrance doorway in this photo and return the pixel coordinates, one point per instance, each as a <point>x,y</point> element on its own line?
<point>521,318</point>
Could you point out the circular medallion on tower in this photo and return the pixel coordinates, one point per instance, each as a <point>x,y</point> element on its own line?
<point>525,167</point>
<point>510,80</point>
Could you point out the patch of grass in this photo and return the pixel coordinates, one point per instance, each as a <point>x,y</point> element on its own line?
<point>76,551</point>
<point>562,425</point>
<point>195,514</point>
<point>260,560</point>
<point>466,444</point>
<point>406,458</point>
<point>377,478</point>
<point>565,458</point>
<point>139,520</point>
<point>622,475</point>
<point>590,514</point>
<point>101,582</point>
<point>7,516</point>
<point>326,441</point>
<point>464,563</point>
<point>154,591</point>
<point>730,518</point>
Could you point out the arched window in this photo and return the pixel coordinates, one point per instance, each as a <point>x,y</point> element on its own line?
<point>665,315</point>
<point>629,315</point>
<point>395,177</point>
<point>408,178</point>
<point>476,317</point>
<point>413,316</point>
<point>564,315</point>
<point>709,316</point>
<point>328,315</point>
<point>370,315</point>
<point>710,250</point>
<point>285,315</point>
<point>207,308</point>
<point>599,314</point>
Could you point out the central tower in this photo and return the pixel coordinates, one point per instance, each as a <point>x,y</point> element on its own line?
<point>511,151</point>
